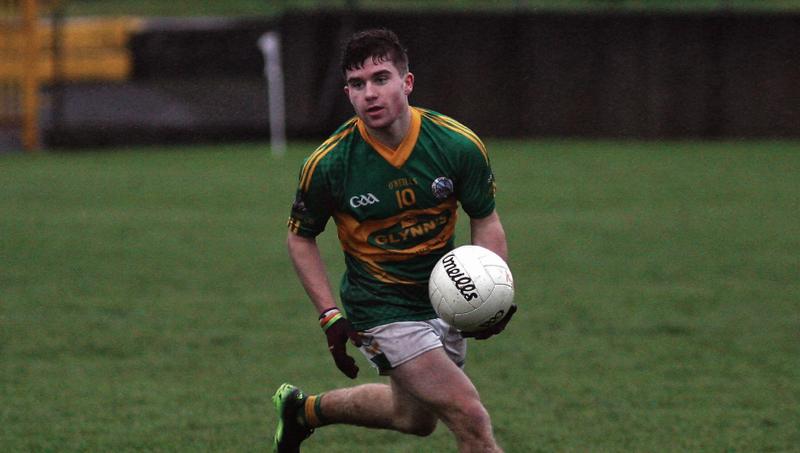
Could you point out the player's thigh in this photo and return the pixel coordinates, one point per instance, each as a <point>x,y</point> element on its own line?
<point>435,382</point>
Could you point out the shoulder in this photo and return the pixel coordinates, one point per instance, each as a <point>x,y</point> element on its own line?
<point>458,136</point>
<point>325,157</point>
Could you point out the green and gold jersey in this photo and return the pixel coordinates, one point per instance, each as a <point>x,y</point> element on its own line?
<point>395,210</point>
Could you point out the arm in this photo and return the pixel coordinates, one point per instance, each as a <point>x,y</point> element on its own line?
<point>310,269</point>
<point>488,233</point>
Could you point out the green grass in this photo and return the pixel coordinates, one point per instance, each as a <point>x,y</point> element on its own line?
<point>147,302</point>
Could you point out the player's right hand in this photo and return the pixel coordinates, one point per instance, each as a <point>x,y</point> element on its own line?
<point>338,330</point>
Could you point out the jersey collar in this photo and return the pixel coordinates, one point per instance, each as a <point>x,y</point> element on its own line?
<point>396,157</point>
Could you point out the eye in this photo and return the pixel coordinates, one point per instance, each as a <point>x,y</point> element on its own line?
<point>356,84</point>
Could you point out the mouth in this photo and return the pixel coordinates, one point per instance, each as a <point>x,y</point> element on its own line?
<point>374,109</point>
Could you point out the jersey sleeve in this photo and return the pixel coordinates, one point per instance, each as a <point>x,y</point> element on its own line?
<point>477,186</point>
<point>312,205</point>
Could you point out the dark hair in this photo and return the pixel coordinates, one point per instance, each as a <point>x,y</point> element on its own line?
<point>380,44</point>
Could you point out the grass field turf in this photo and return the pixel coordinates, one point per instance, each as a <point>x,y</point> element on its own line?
<point>147,302</point>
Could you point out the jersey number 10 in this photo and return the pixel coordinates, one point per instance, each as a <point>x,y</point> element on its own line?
<point>405,198</point>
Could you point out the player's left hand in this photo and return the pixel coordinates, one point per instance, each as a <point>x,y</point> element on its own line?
<point>493,329</point>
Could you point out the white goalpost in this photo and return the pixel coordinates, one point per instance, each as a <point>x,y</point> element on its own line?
<point>270,46</point>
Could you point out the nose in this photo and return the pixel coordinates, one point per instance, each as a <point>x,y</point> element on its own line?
<point>370,92</point>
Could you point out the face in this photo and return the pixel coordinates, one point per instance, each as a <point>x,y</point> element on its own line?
<point>379,93</point>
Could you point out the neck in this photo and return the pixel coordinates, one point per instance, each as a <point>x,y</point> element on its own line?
<point>393,134</point>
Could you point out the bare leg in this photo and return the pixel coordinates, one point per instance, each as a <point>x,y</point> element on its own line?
<point>425,389</point>
<point>440,385</point>
<point>378,406</point>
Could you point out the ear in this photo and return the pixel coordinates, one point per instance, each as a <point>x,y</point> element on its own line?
<point>408,83</point>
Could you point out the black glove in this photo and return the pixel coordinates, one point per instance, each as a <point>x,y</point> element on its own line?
<point>338,330</point>
<point>493,329</point>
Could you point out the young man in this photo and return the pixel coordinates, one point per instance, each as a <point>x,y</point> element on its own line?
<point>391,178</point>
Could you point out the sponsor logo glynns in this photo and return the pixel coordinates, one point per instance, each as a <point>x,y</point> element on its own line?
<point>411,232</point>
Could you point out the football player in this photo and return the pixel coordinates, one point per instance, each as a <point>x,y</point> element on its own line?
<point>392,179</point>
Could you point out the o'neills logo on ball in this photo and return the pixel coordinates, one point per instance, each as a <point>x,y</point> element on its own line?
<point>462,281</point>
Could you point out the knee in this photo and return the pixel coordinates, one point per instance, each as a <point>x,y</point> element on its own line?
<point>477,414</point>
<point>418,426</point>
<point>469,416</point>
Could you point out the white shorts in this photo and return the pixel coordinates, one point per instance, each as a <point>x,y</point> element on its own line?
<point>391,345</point>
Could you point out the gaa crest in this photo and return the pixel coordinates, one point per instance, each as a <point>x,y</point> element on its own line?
<point>442,187</point>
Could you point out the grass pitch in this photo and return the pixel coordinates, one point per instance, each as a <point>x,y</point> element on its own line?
<point>147,302</point>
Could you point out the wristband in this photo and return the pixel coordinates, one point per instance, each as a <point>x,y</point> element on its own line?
<point>329,317</point>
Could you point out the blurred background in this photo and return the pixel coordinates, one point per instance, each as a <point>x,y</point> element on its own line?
<point>86,73</point>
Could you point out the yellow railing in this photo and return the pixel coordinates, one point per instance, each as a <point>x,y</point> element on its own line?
<point>88,49</point>
<point>19,95</point>
<point>36,50</point>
